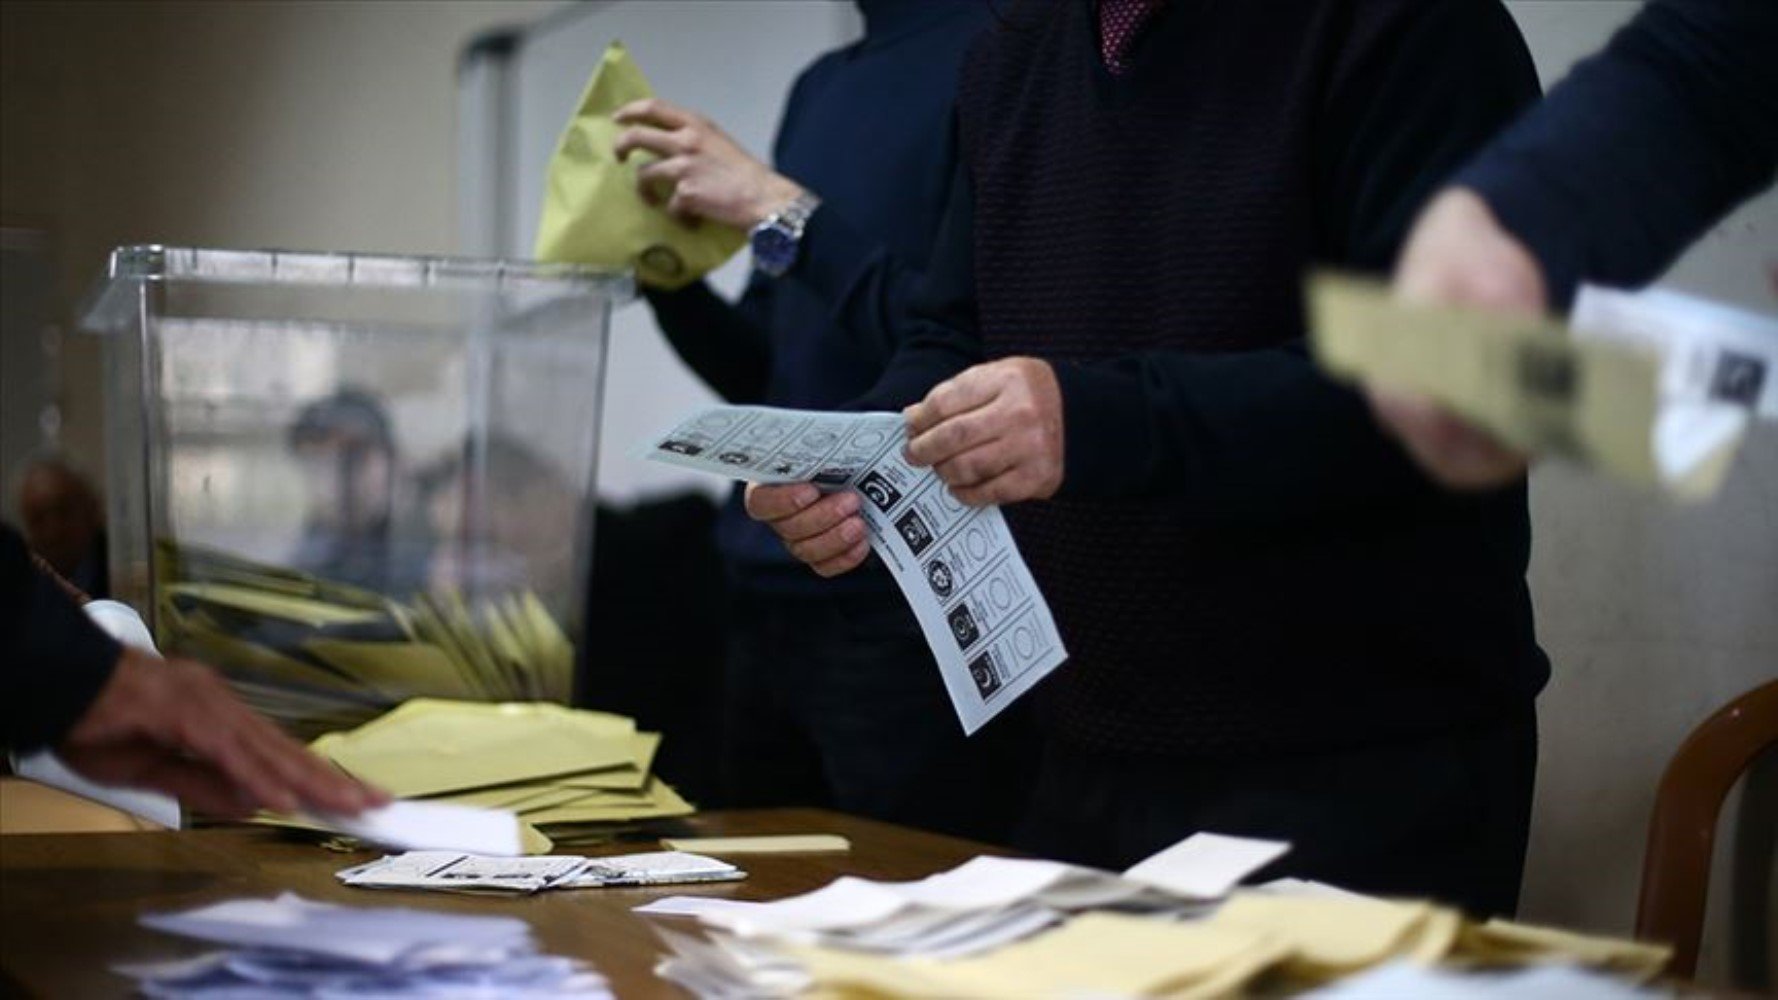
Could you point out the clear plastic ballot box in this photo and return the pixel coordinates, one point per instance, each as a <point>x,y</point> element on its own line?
<point>347,480</point>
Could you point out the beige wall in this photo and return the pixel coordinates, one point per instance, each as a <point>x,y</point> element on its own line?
<point>310,125</point>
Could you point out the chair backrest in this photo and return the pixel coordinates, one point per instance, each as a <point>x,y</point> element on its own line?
<point>1682,832</point>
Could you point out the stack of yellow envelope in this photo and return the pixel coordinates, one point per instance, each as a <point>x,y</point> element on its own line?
<point>1257,942</point>
<point>320,656</point>
<point>570,775</point>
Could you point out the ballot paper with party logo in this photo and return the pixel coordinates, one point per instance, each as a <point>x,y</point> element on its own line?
<point>1714,356</point>
<point>958,567</point>
<point>1603,401</point>
<point>592,211</point>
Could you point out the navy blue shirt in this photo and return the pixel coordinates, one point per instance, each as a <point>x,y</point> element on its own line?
<point>868,129</point>
<point>1644,146</point>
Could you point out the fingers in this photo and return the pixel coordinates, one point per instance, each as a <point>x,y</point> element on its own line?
<point>826,532</point>
<point>772,503</point>
<point>949,439</point>
<point>975,467</point>
<point>1446,448</point>
<point>653,111</point>
<point>974,388</point>
<point>653,140</point>
<point>844,562</point>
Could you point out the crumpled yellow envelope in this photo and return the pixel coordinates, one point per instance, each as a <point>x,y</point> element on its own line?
<point>591,211</point>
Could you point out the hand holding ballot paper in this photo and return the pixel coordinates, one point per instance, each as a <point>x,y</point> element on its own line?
<point>1655,389</point>
<point>957,565</point>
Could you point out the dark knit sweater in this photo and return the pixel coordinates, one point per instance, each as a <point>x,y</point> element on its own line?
<point>1239,561</point>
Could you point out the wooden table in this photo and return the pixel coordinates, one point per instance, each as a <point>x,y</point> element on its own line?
<point>69,902</point>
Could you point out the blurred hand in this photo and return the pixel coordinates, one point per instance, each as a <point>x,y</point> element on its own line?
<point>993,433</point>
<point>1458,254</point>
<point>823,530</point>
<point>701,173</point>
<point>175,727</point>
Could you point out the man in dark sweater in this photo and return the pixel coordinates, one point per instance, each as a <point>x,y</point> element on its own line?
<point>832,695</point>
<point>1278,627</point>
<point>1632,157</point>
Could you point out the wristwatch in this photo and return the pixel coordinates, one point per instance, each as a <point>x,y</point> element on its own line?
<point>778,236</point>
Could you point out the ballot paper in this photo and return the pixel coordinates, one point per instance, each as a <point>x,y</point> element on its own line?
<point>450,871</point>
<point>1713,354</point>
<point>982,614</point>
<point>432,826</point>
<point>1599,400</point>
<point>290,946</point>
<point>1206,865</point>
<point>984,903</point>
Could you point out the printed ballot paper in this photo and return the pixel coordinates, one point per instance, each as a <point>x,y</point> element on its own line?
<point>290,946</point>
<point>982,614</point>
<point>449,871</point>
<point>1624,389</point>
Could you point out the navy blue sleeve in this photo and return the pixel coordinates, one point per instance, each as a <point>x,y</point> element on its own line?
<point>869,290</point>
<point>940,334</point>
<point>53,659</point>
<point>1643,147</point>
<point>727,345</point>
<point>1264,434</point>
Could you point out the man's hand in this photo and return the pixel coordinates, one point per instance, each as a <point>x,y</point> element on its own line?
<point>993,433</point>
<point>1458,254</point>
<point>823,530</point>
<point>701,173</point>
<point>175,727</point>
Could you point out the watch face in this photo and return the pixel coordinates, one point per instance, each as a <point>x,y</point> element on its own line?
<point>774,250</point>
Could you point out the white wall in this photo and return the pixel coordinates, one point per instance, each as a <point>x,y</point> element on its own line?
<point>313,125</point>
<point>1653,614</point>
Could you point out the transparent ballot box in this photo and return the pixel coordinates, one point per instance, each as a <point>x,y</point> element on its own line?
<point>348,480</point>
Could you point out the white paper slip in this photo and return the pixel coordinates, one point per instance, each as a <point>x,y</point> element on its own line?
<point>1544,982</point>
<point>987,624</point>
<point>291,947</point>
<point>655,868</point>
<point>1206,865</point>
<point>452,871</point>
<point>694,906</point>
<point>844,902</point>
<point>433,826</point>
<point>380,935</point>
<point>1712,353</point>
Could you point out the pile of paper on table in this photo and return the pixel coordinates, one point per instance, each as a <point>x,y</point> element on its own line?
<point>452,871</point>
<point>570,775</point>
<point>997,927</point>
<point>290,946</point>
<point>318,655</point>
<point>981,905</point>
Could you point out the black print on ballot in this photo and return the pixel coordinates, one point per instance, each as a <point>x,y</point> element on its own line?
<point>914,532</point>
<point>963,627</point>
<point>879,491</point>
<point>987,679</point>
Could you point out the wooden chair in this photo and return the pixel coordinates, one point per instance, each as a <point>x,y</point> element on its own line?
<point>1682,832</point>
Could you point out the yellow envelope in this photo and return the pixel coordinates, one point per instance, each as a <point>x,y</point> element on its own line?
<point>431,747</point>
<point>1095,954</point>
<point>1330,937</point>
<point>592,213</point>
